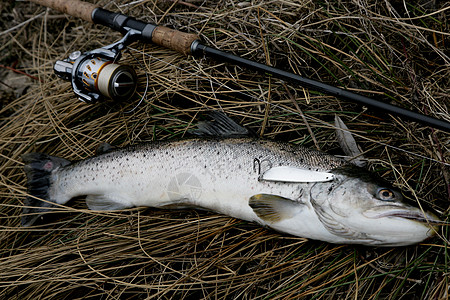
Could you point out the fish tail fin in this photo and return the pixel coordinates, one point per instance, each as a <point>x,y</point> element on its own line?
<point>38,169</point>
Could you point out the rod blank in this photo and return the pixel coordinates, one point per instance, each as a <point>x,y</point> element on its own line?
<point>199,49</point>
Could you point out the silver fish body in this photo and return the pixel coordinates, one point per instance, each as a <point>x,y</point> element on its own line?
<point>226,175</point>
<point>219,175</point>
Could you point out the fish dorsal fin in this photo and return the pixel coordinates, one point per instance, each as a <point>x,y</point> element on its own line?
<point>220,126</point>
<point>273,208</point>
<point>294,174</point>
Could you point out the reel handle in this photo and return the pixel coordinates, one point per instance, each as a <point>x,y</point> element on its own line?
<point>178,41</point>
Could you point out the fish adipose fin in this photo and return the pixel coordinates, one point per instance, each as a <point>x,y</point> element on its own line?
<point>293,174</point>
<point>104,148</point>
<point>38,169</point>
<point>273,208</point>
<point>220,126</point>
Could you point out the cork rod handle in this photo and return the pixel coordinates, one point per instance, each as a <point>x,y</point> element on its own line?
<point>174,39</point>
<point>76,8</point>
<point>160,35</point>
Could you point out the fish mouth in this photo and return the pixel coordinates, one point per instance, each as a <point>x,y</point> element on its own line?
<point>395,212</point>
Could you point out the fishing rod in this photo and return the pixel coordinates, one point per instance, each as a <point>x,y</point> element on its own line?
<point>95,75</point>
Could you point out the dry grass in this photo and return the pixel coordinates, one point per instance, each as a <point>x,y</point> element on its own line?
<point>387,49</point>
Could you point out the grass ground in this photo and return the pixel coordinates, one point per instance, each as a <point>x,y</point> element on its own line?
<point>392,50</point>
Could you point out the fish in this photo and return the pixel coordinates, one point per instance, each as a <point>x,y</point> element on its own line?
<point>222,168</point>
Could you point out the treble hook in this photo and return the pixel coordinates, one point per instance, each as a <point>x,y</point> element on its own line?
<point>257,164</point>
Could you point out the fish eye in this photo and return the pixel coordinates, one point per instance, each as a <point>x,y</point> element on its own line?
<point>385,194</point>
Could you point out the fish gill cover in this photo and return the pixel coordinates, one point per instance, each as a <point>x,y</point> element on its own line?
<point>391,50</point>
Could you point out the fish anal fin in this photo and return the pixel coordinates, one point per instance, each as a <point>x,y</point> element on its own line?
<point>106,202</point>
<point>273,208</point>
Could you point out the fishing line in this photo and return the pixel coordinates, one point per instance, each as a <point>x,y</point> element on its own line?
<point>220,84</point>
<point>146,85</point>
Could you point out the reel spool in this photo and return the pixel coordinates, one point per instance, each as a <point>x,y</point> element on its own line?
<point>95,76</point>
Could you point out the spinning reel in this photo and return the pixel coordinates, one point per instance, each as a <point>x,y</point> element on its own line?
<point>95,75</point>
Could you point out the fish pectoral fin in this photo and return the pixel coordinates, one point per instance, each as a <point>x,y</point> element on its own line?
<point>348,143</point>
<point>294,174</point>
<point>106,202</point>
<point>273,208</point>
